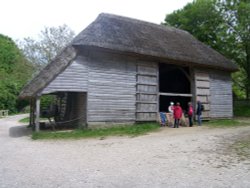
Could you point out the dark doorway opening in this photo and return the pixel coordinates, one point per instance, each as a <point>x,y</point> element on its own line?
<point>165,102</point>
<point>174,86</point>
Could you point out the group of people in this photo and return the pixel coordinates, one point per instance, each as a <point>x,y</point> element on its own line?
<point>177,112</point>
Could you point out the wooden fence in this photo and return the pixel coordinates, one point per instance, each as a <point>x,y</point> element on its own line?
<point>4,113</point>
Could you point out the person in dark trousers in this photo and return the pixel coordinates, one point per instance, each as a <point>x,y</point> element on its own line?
<point>199,112</point>
<point>177,115</point>
<point>190,114</point>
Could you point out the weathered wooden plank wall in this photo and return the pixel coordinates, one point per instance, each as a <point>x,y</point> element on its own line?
<point>202,87</point>
<point>73,78</point>
<point>221,95</point>
<point>111,88</point>
<point>147,91</point>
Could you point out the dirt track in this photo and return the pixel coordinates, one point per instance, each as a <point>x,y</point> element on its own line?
<point>185,157</point>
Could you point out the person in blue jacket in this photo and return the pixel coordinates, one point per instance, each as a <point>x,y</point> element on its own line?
<point>199,112</point>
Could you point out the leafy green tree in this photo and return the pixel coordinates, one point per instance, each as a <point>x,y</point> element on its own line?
<point>223,25</point>
<point>50,42</point>
<point>236,14</point>
<point>200,18</point>
<point>14,73</point>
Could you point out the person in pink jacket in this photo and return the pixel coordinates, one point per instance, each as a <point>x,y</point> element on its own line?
<point>177,115</point>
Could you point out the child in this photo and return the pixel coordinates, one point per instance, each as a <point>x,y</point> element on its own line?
<point>171,108</point>
<point>177,115</point>
<point>190,114</point>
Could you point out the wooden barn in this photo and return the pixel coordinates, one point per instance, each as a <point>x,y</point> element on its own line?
<point>121,70</point>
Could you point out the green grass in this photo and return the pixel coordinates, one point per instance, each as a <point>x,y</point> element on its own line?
<point>129,130</point>
<point>224,123</point>
<point>25,120</point>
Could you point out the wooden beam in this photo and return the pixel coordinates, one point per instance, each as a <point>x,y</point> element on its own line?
<point>31,112</point>
<point>176,94</point>
<point>37,124</point>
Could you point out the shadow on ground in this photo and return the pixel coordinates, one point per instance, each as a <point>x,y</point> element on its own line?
<point>19,131</point>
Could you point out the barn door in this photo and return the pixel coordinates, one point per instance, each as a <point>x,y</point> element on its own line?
<point>146,96</point>
<point>202,90</point>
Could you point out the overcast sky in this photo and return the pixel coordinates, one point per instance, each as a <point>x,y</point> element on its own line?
<point>26,18</point>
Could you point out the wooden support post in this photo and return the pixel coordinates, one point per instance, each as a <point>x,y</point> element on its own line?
<point>31,111</point>
<point>37,128</point>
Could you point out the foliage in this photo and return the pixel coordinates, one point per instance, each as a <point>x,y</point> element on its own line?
<point>50,42</point>
<point>14,73</point>
<point>201,19</point>
<point>47,101</point>
<point>242,108</point>
<point>225,26</point>
<point>131,130</point>
<point>236,14</point>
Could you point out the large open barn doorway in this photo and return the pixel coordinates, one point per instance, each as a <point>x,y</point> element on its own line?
<point>174,85</point>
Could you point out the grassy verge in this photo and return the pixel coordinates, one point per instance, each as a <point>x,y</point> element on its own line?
<point>224,123</point>
<point>27,120</point>
<point>130,130</point>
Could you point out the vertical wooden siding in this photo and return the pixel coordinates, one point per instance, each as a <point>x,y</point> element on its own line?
<point>147,91</point>
<point>221,95</point>
<point>111,89</point>
<point>73,78</point>
<point>202,86</point>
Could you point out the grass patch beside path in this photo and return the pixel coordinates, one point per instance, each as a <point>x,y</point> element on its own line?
<point>224,123</point>
<point>130,130</point>
<point>25,120</point>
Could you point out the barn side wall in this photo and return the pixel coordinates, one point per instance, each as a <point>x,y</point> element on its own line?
<point>111,88</point>
<point>73,79</point>
<point>202,90</point>
<point>221,102</point>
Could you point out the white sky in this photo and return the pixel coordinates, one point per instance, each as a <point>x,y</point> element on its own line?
<point>26,18</point>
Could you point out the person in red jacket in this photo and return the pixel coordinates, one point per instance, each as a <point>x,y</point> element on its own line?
<point>190,114</point>
<point>177,115</point>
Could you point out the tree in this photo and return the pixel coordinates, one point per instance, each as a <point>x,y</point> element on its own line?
<point>50,42</point>
<point>15,71</point>
<point>201,19</point>
<point>223,25</point>
<point>236,14</point>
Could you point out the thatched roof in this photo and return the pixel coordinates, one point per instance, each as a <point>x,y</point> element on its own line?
<point>61,61</point>
<point>134,36</point>
<point>126,35</point>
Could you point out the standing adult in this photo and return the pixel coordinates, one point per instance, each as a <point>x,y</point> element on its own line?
<point>177,115</point>
<point>199,112</point>
<point>190,114</point>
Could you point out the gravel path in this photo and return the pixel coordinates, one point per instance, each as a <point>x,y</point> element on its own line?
<point>185,157</point>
